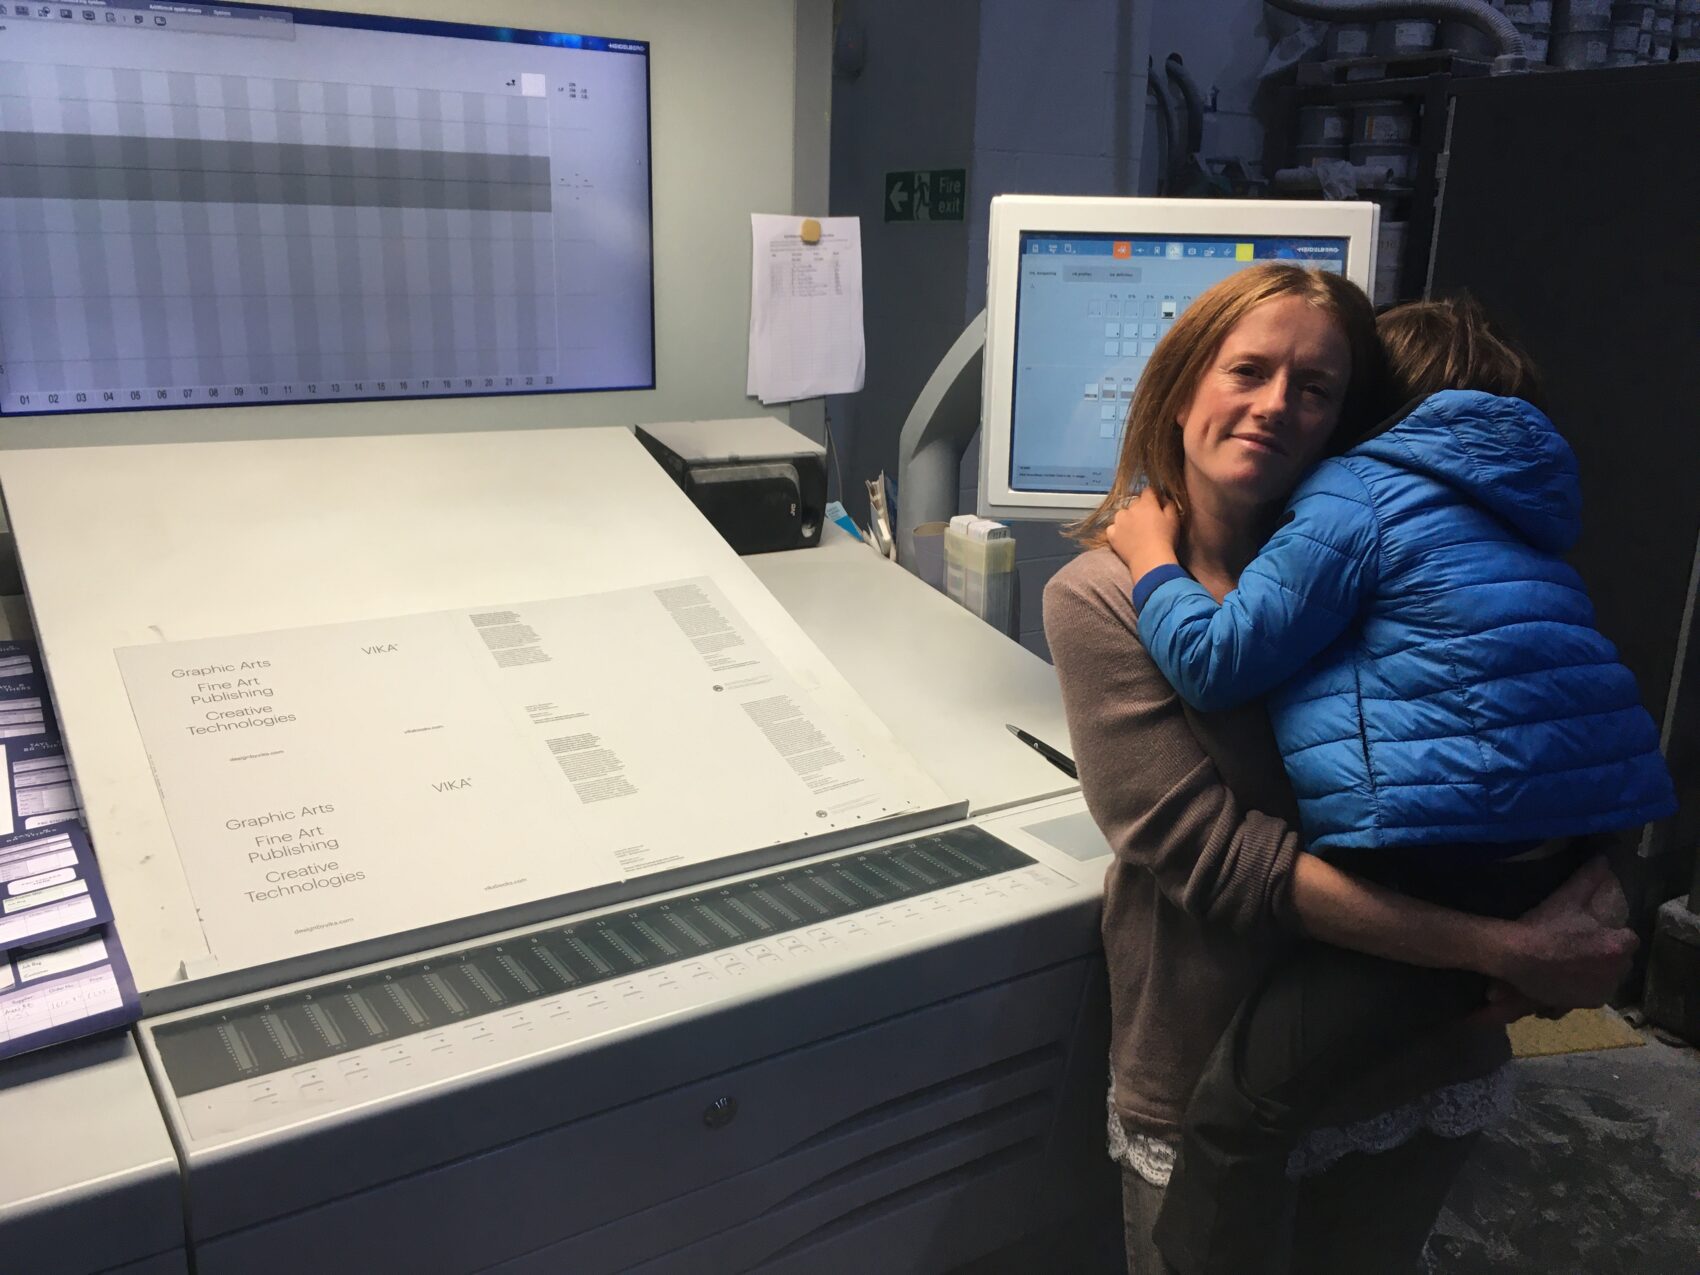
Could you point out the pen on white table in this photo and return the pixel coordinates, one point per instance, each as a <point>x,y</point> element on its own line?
<point>1062,761</point>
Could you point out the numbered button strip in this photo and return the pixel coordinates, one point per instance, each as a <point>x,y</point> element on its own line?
<point>261,1038</point>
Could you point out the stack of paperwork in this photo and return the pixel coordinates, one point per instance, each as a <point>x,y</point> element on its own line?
<point>62,971</point>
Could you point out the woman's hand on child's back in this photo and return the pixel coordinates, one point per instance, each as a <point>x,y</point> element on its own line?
<point>1144,533</point>
<point>1569,952</point>
<point>1608,905</point>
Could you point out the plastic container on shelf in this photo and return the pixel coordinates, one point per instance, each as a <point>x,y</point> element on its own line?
<point>1534,23</point>
<point>1401,37</point>
<point>1347,40</point>
<point>1580,50</point>
<point>1384,120</point>
<point>1398,159</point>
<point>1636,13</point>
<point>1324,125</point>
<point>1465,40</point>
<point>1625,38</point>
<point>1580,15</point>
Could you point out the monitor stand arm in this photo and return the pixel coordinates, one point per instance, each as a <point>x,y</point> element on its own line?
<point>935,434</point>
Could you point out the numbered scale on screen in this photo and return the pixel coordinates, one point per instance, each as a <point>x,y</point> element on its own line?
<point>290,391</point>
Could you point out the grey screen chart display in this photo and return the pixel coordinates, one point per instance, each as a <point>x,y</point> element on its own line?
<point>219,204</point>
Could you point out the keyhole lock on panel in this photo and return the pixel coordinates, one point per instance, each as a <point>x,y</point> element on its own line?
<point>720,1113</point>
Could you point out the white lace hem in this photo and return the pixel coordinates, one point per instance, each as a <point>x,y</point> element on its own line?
<point>1151,1158</point>
<point>1452,1111</point>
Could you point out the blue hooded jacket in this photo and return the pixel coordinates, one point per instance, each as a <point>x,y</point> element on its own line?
<point>1433,670</point>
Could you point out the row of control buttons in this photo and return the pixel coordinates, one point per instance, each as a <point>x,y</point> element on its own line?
<point>354,1072</point>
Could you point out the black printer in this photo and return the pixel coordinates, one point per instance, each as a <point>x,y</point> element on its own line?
<point>760,482</point>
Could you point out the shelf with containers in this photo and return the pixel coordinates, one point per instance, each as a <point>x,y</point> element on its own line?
<point>1391,131</point>
<point>1378,102</point>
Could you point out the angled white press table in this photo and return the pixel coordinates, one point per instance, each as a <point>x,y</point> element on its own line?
<point>943,681</point>
<point>921,1078</point>
<point>156,544</point>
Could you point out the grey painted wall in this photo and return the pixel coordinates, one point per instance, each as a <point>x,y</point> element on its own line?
<point>911,106</point>
<point>1061,93</point>
<point>1031,98</point>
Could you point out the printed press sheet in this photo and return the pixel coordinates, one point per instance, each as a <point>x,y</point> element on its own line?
<point>338,783</point>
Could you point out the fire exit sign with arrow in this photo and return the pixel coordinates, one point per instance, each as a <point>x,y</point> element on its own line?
<point>936,194</point>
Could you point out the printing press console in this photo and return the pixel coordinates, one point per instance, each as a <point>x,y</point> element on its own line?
<point>880,1046</point>
<point>89,1181</point>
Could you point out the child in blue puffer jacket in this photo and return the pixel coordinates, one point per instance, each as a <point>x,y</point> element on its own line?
<point>1448,714</point>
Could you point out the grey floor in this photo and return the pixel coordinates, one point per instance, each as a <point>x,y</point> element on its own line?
<point>1598,1171</point>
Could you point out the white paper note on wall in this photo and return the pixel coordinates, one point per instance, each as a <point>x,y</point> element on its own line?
<point>805,309</point>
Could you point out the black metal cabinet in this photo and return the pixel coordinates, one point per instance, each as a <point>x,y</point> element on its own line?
<point>1570,207</point>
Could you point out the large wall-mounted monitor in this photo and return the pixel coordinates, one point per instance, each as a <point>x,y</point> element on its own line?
<point>1078,293</point>
<point>215,204</point>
